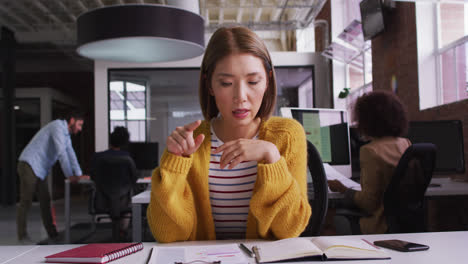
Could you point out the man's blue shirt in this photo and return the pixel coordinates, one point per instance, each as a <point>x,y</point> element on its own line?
<point>50,144</point>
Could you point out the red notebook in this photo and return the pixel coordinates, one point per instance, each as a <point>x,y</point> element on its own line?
<point>95,253</point>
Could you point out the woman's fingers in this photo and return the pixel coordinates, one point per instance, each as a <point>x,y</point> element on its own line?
<point>192,126</point>
<point>173,146</point>
<point>181,141</point>
<point>229,155</point>
<point>199,140</point>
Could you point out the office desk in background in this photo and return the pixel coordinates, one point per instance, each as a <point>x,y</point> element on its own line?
<point>446,187</point>
<point>445,247</point>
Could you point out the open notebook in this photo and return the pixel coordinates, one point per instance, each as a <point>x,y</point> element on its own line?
<point>320,248</point>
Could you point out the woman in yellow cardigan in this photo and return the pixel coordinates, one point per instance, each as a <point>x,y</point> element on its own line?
<point>238,173</point>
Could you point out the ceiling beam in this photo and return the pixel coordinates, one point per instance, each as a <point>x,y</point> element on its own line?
<point>8,25</point>
<point>17,18</point>
<point>81,5</point>
<point>240,11</point>
<point>207,17</point>
<point>258,14</point>
<point>275,15</point>
<point>99,3</point>
<point>221,12</point>
<point>20,5</point>
<point>49,14</point>
<point>65,9</point>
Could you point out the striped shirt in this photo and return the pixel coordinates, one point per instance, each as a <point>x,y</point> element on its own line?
<point>230,193</point>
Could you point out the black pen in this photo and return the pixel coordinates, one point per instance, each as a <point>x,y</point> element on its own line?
<point>149,256</point>
<point>246,250</point>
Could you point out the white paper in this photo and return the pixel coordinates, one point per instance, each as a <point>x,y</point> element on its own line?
<point>227,254</point>
<point>333,174</point>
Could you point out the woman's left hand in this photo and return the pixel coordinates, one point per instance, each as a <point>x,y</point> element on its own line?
<point>336,186</point>
<point>239,150</point>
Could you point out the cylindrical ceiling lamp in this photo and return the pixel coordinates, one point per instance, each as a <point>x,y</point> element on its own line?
<point>140,33</point>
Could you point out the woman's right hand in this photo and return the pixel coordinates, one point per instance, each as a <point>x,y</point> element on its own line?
<point>181,141</point>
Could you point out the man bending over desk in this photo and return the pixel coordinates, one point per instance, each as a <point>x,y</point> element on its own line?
<point>50,144</point>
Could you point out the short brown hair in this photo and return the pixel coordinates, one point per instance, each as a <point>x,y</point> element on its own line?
<point>226,41</point>
<point>380,114</point>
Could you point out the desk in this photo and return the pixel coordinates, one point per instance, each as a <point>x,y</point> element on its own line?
<point>145,180</point>
<point>67,207</point>
<point>137,201</point>
<point>8,253</point>
<point>445,247</point>
<point>447,188</point>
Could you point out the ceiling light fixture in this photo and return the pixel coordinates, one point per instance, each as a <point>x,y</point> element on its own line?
<point>140,33</point>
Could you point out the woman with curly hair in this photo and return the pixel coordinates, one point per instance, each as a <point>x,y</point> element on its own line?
<point>382,118</point>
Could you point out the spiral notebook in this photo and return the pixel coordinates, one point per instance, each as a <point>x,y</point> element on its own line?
<point>95,253</point>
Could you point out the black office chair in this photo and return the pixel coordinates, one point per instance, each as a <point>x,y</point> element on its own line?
<point>114,178</point>
<point>320,200</point>
<point>404,206</point>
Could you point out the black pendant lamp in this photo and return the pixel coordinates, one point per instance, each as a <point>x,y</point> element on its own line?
<point>140,33</point>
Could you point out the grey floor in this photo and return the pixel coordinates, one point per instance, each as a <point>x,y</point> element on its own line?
<point>80,223</point>
<point>37,233</point>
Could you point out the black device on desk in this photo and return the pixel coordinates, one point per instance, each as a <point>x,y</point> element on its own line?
<point>401,245</point>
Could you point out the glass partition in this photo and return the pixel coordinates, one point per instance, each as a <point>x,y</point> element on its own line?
<point>151,103</point>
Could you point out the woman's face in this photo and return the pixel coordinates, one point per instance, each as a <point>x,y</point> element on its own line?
<point>238,84</point>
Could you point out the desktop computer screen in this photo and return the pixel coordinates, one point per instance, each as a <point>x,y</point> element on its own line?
<point>328,130</point>
<point>447,135</point>
<point>145,155</point>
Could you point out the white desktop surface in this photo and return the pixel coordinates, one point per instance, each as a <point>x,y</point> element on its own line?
<point>8,253</point>
<point>447,188</point>
<point>445,247</point>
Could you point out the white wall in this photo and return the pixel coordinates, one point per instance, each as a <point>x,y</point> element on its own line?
<point>339,69</point>
<point>279,59</point>
<point>426,26</point>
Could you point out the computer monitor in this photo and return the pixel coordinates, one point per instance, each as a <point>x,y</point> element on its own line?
<point>447,135</point>
<point>328,130</point>
<point>145,155</point>
<point>372,18</point>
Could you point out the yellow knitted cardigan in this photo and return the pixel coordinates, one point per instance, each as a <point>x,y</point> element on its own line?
<point>180,208</point>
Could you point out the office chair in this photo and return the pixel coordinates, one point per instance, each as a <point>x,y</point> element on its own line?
<point>114,178</point>
<point>404,208</point>
<point>320,200</point>
<point>404,197</point>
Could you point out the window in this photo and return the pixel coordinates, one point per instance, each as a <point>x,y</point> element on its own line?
<point>352,65</point>
<point>128,107</point>
<point>452,52</point>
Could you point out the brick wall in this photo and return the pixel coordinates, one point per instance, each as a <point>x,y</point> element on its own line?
<point>324,14</point>
<point>394,53</point>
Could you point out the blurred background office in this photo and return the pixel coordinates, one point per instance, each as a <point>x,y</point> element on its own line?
<point>416,49</point>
